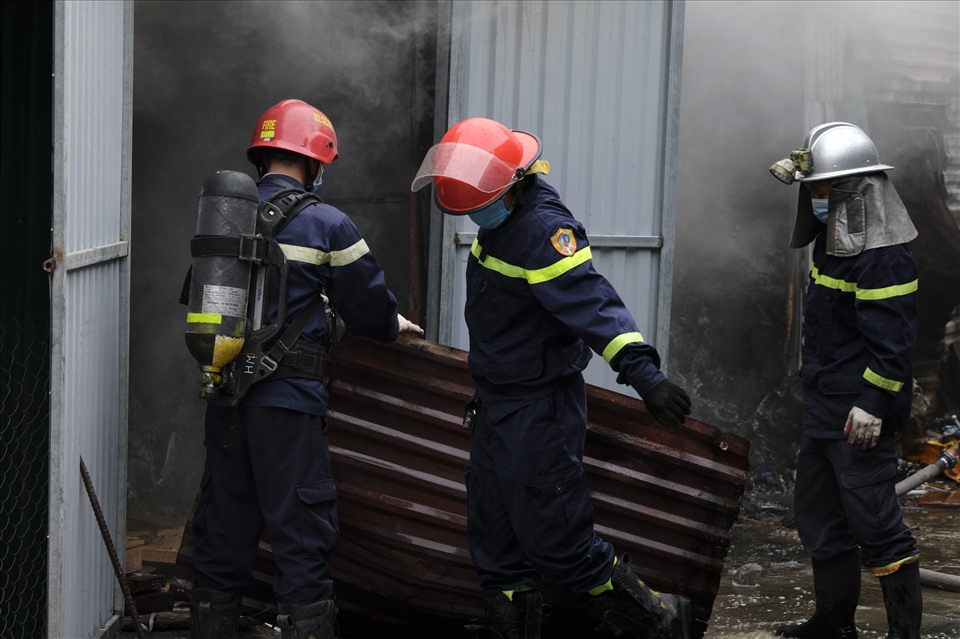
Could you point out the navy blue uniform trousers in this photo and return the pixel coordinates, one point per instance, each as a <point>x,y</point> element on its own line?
<point>845,498</point>
<point>529,512</point>
<point>266,467</point>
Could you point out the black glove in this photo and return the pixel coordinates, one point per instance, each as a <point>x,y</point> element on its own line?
<point>668,403</point>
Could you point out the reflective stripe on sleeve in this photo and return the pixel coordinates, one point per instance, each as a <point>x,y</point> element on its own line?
<point>316,256</point>
<point>881,381</point>
<point>617,344</point>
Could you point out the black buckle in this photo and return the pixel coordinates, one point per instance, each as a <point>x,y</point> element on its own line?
<point>253,248</point>
<point>305,361</point>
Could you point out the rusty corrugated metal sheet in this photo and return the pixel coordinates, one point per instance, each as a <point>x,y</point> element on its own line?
<point>666,496</point>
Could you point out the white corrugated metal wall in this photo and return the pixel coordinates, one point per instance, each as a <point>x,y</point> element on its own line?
<point>90,309</point>
<point>598,82</point>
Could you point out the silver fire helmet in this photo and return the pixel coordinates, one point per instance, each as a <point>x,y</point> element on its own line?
<point>840,148</point>
<point>830,150</point>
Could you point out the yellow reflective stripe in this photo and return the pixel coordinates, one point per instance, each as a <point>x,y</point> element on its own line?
<point>832,282</point>
<point>350,254</point>
<point>494,264</point>
<point>887,292</point>
<point>557,269</point>
<point>889,569</point>
<point>602,588</point>
<point>521,588</point>
<point>862,293</point>
<point>204,318</point>
<point>304,254</point>
<point>597,590</point>
<point>617,344</point>
<point>535,276</point>
<point>881,381</point>
<point>316,256</point>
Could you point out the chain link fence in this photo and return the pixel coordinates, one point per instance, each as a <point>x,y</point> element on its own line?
<point>24,473</point>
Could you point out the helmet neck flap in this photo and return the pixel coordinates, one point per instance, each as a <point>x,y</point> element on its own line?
<point>865,213</point>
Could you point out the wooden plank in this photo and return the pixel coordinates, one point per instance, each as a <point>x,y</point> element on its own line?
<point>133,555</point>
<point>160,555</point>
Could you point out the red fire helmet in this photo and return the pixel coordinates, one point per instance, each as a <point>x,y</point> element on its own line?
<point>294,125</point>
<point>475,163</point>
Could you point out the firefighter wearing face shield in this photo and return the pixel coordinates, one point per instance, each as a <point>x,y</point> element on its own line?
<point>535,308</point>
<point>859,331</point>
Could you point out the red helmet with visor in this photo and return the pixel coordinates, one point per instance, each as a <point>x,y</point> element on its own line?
<point>475,163</point>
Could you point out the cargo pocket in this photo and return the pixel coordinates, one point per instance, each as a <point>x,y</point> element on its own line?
<point>867,494</point>
<point>319,523</point>
<point>559,510</point>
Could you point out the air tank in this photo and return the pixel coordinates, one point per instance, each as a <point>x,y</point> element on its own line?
<point>220,282</point>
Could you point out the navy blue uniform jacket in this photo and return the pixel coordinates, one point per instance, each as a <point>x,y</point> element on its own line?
<point>859,332</point>
<point>325,252</point>
<point>536,307</point>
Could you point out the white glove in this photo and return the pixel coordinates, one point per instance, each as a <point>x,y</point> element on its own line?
<point>862,429</point>
<point>406,326</point>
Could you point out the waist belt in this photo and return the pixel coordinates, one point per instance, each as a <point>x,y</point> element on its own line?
<point>303,360</point>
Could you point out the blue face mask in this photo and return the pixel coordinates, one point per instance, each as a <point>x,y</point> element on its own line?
<point>820,208</point>
<point>316,185</point>
<point>490,216</point>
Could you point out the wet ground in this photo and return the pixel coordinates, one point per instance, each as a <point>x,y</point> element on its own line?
<point>784,591</point>
<point>784,588</point>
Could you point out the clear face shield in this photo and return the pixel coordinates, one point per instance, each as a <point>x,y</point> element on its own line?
<point>473,166</point>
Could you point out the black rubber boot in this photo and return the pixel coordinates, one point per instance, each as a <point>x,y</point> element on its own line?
<point>214,614</point>
<point>836,587</point>
<point>904,602</point>
<point>506,619</point>
<point>633,610</point>
<point>309,621</point>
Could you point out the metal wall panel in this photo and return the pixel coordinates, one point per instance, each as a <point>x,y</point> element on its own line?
<point>598,83</point>
<point>90,310</point>
<point>668,496</point>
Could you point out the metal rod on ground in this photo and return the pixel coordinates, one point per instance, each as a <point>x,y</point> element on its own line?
<point>105,533</point>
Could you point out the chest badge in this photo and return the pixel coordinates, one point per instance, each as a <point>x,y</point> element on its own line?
<point>564,241</point>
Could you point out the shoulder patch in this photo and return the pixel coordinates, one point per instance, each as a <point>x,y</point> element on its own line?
<point>564,241</point>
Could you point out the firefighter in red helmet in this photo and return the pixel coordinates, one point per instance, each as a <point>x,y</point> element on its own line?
<point>267,458</point>
<point>535,308</point>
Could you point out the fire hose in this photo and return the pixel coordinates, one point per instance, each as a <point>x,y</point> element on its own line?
<point>948,459</point>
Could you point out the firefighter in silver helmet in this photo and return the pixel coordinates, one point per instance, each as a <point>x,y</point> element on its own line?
<point>859,332</point>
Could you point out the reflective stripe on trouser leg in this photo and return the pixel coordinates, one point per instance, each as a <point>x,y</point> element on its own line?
<point>846,498</point>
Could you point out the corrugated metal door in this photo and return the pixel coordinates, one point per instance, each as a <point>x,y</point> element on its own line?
<point>598,82</point>
<point>90,309</point>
